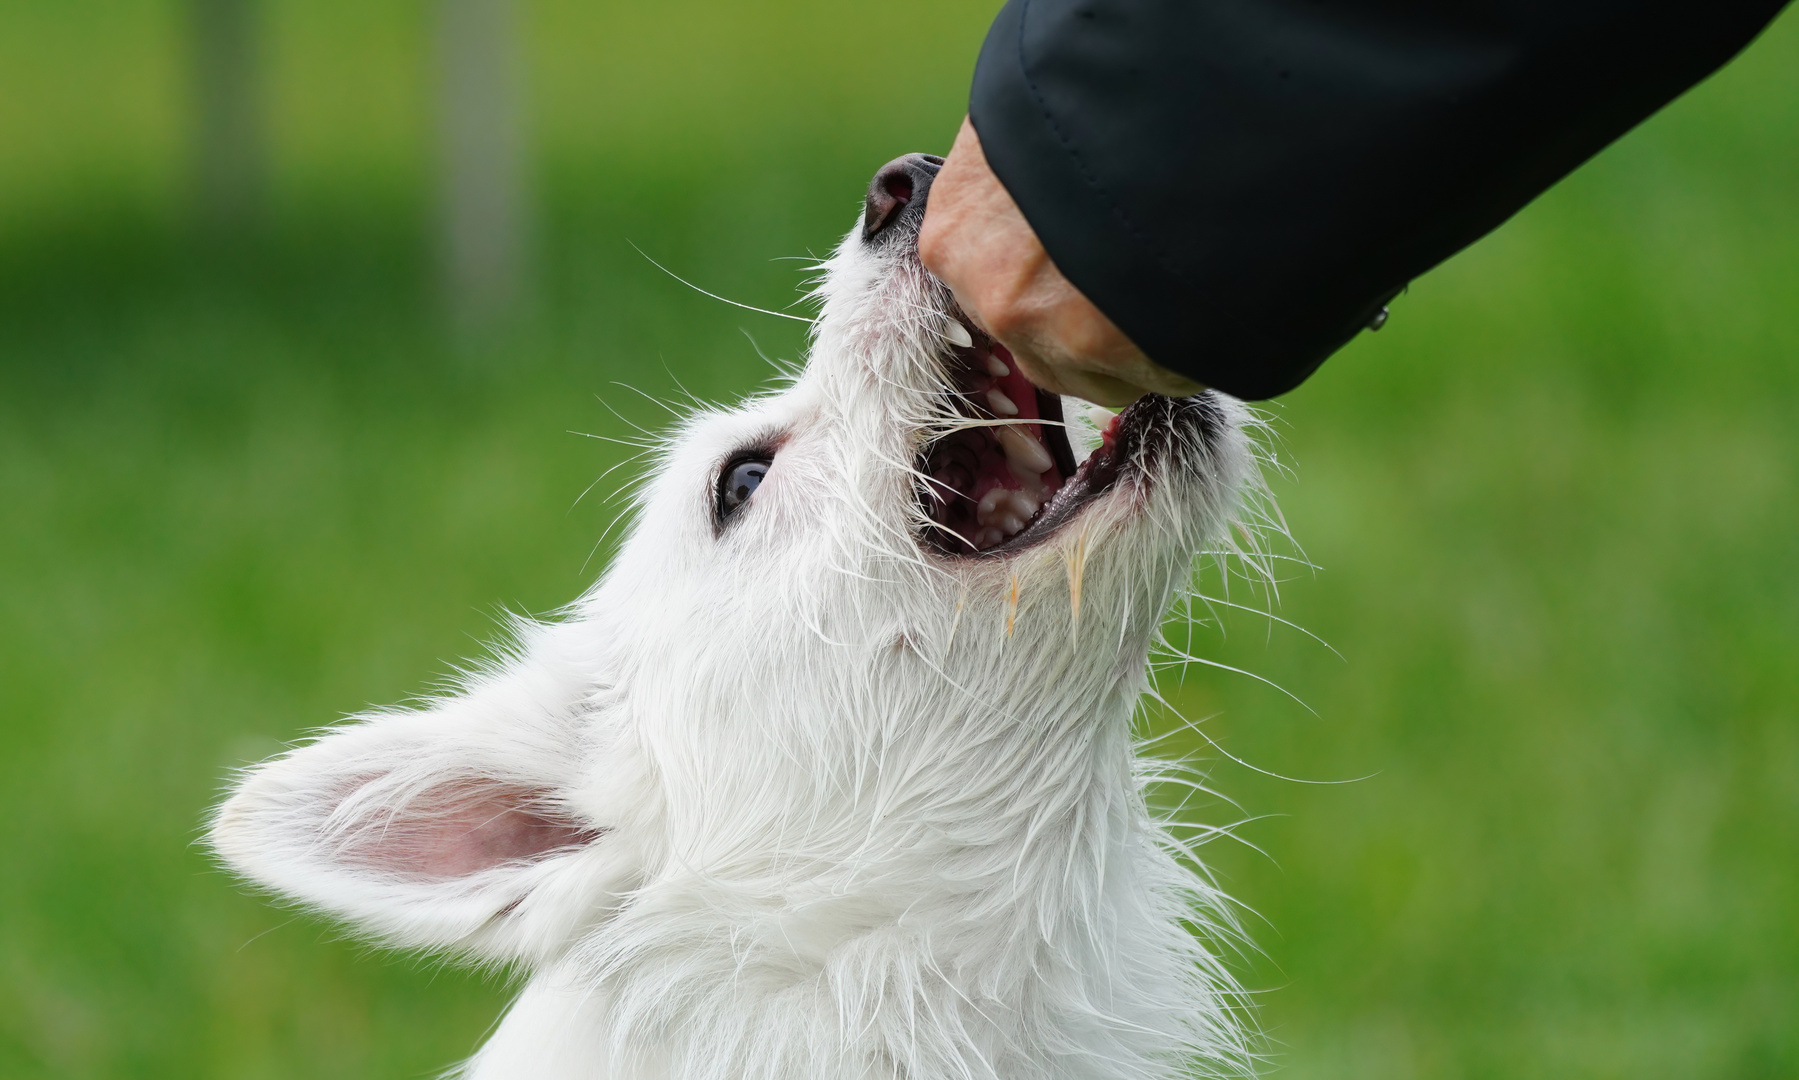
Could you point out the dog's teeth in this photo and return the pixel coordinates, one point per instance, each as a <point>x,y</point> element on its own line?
<point>1000,403</point>
<point>1099,416</point>
<point>987,537</point>
<point>957,334</point>
<point>1006,510</point>
<point>997,367</point>
<point>987,511</point>
<point>1023,451</point>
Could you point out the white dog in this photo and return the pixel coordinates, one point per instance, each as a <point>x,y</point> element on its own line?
<point>831,776</point>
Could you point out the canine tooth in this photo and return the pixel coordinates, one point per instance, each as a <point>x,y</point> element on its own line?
<point>957,334</point>
<point>1000,403</point>
<point>1022,450</point>
<point>997,367</point>
<point>1099,416</point>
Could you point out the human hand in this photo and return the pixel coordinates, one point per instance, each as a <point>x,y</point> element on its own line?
<point>977,242</point>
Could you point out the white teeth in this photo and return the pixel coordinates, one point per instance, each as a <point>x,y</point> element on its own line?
<point>1099,416</point>
<point>997,367</point>
<point>986,538</point>
<point>957,334</point>
<point>1000,403</point>
<point>1023,451</point>
<point>1005,511</point>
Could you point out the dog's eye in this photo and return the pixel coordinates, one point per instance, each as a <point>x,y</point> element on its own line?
<point>738,481</point>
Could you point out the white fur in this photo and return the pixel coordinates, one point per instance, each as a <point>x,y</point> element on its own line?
<point>851,810</point>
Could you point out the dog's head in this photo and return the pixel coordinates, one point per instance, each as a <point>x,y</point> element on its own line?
<point>871,646</point>
<point>910,494</point>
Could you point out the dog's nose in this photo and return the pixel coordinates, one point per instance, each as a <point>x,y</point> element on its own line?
<point>898,192</point>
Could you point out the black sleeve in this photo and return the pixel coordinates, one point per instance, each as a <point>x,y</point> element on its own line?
<point>1242,184</point>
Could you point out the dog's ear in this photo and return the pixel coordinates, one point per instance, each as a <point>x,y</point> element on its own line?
<point>447,827</point>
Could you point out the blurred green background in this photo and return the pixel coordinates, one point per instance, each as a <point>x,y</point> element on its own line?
<point>250,480</point>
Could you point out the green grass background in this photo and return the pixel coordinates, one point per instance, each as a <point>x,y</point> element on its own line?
<point>247,488</point>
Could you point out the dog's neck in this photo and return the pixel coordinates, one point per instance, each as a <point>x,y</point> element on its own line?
<point>1026,917</point>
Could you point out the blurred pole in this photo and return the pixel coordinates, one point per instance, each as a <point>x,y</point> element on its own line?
<point>485,220</point>
<point>228,148</point>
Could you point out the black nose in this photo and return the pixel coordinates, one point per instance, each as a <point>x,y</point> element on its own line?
<point>897,193</point>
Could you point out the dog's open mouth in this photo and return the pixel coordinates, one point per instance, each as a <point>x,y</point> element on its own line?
<point>1009,478</point>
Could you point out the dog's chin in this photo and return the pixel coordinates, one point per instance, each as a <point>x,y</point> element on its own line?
<point>1006,477</point>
